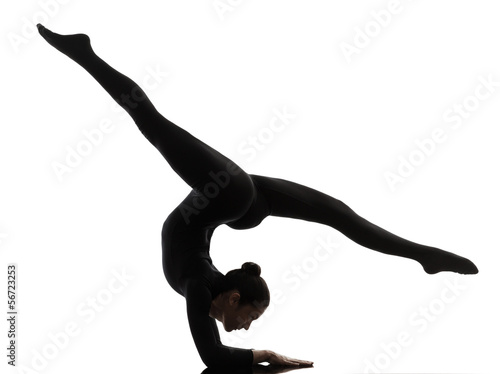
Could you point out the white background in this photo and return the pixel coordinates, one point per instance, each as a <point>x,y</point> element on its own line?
<point>222,77</point>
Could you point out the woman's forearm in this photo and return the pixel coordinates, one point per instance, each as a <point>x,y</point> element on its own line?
<point>260,356</point>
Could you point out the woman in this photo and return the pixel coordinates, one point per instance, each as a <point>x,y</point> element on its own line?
<point>222,193</point>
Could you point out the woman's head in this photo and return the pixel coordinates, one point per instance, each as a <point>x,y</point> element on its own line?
<point>244,297</point>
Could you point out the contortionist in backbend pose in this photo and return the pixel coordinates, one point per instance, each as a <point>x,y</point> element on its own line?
<point>222,193</point>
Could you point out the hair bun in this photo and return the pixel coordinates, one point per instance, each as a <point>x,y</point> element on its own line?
<point>251,268</point>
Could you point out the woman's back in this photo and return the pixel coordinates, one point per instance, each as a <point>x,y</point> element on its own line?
<point>185,251</point>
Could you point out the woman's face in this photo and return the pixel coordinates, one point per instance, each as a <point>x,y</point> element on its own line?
<point>238,316</point>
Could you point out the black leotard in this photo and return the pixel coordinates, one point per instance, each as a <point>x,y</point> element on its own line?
<point>222,193</point>
<point>189,270</point>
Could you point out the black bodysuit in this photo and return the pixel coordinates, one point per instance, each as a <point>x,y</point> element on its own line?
<point>222,193</point>
<point>189,270</point>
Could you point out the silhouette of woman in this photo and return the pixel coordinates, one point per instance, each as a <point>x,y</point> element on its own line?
<point>222,193</point>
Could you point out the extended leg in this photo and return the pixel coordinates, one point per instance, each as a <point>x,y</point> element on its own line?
<point>292,200</point>
<point>194,161</point>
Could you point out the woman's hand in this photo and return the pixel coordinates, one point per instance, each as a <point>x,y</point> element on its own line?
<point>277,359</point>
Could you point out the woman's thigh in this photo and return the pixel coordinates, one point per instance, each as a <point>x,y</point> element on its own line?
<point>197,163</point>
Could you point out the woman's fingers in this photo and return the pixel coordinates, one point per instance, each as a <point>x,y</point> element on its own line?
<point>278,359</point>
<point>295,361</point>
<point>302,362</point>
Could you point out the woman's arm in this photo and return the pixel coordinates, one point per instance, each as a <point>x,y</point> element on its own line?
<point>206,337</point>
<point>205,334</point>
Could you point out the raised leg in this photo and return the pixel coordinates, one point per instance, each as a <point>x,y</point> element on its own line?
<point>292,200</point>
<point>194,161</point>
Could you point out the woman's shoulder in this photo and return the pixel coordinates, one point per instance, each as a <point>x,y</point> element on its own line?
<point>197,293</point>
<point>202,284</point>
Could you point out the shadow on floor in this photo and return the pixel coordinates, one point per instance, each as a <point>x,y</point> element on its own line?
<point>256,369</point>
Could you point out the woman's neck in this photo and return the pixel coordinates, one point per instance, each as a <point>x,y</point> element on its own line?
<point>216,308</point>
